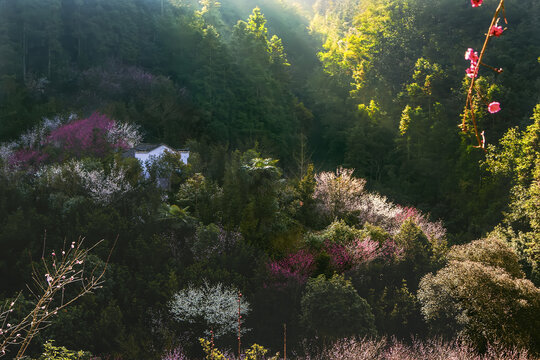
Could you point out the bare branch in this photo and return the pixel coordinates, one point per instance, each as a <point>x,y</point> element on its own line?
<point>59,271</point>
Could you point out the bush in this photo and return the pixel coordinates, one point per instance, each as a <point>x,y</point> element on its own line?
<point>331,308</point>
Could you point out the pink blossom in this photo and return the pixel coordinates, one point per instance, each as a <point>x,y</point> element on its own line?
<point>340,257</point>
<point>476,3</point>
<point>28,157</point>
<point>84,136</point>
<point>471,55</point>
<point>391,251</point>
<point>297,267</point>
<point>471,72</point>
<point>496,31</point>
<point>494,107</point>
<point>365,250</point>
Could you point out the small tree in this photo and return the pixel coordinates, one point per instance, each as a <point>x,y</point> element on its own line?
<point>216,306</point>
<point>339,192</point>
<point>332,309</point>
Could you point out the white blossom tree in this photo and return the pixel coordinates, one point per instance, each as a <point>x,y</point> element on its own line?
<point>339,192</point>
<point>221,308</point>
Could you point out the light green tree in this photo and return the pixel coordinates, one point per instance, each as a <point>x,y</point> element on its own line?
<point>482,296</point>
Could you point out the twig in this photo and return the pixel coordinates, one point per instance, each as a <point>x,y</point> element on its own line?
<point>469,104</point>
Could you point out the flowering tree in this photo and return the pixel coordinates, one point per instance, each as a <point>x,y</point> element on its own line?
<point>54,138</point>
<point>296,267</point>
<point>93,135</point>
<point>331,308</point>
<point>338,192</point>
<point>100,185</point>
<point>216,305</point>
<point>482,294</point>
<point>377,210</point>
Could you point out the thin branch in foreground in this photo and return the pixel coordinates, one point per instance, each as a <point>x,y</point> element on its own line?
<point>60,271</point>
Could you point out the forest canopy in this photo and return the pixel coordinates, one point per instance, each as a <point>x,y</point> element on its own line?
<point>329,172</point>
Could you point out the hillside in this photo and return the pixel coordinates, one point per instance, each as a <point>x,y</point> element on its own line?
<point>340,177</point>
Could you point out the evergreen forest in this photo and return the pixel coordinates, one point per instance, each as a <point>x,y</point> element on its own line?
<point>363,179</point>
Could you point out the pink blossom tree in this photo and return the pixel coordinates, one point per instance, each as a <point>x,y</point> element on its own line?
<point>296,267</point>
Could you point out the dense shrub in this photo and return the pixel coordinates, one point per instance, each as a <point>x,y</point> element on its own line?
<point>331,308</point>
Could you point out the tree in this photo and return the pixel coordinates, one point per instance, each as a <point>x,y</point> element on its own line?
<point>216,306</point>
<point>517,159</point>
<point>482,297</point>
<point>338,193</point>
<point>332,309</point>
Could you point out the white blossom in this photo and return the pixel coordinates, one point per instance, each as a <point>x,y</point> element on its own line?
<point>338,192</point>
<point>102,187</point>
<point>124,133</point>
<point>377,210</point>
<point>6,152</point>
<point>216,305</point>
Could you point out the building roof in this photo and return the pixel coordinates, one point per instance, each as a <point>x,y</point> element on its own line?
<point>146,148</point>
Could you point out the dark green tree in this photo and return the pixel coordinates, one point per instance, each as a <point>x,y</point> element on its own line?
<point>331,309</point>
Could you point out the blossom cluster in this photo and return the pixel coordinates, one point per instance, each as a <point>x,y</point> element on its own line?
<point>433,230</point>
<point>352,254</point>
<point>378,210</point>
<point>101,186</point>
<point>338,192</point>
<point>341,257</point>
<point>215,305</point>
<point>88,135</point>
<point>94,135</point>
<point>296,267</point>
<point>27,150</point>
<point>476,3</point>
<point>472,56</point>
<point>365,251</point>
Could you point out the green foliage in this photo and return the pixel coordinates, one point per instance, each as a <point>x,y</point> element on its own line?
<point>490,251</point>
<point>306,189</point>
<point>478,295</point>
<point>397,311</point>
<point>385,100</point>
<point>331,308</point>
<point>337,232</point>
<point>418,252</point>
<point>201,196</point>
<point>51,352</point>
<point>211,352</point>
<point>255,352</point>
<point>518,160</point>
